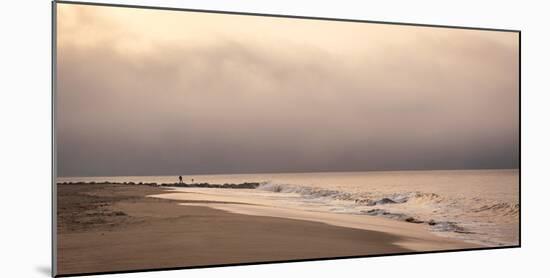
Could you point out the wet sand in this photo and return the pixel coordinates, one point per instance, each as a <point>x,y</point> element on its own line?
<point>411,235</point>
<point>104,228</point>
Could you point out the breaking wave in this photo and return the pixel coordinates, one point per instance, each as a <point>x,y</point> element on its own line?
<point>402,206</point>
<point>305,191</point>
<point>502,208</point>
<point>365,198</point>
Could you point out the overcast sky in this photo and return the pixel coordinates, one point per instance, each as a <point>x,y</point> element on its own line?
<point>150,92</point>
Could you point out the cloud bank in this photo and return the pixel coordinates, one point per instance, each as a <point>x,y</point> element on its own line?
<point>134,100</point>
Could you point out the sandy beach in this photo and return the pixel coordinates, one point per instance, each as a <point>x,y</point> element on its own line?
<point>106,227</point>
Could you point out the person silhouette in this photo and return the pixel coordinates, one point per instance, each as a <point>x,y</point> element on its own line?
<point>181,179</point>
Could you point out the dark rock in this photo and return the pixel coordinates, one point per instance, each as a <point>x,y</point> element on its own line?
<point>413,220</point>
<point>385,201</point>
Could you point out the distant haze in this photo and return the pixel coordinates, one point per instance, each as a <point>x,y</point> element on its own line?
<point>151,92</point>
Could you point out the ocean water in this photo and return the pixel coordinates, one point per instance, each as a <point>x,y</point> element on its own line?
<point>478,206</point>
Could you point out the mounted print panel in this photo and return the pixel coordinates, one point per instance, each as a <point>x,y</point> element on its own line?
<point>189,138</point>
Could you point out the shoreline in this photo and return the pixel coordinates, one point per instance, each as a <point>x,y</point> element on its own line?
<point>412,235</point>
<point>139,232</point>
<point>438,228</point>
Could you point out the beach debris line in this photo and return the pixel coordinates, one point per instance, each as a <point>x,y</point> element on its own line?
<point>245,185</point>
